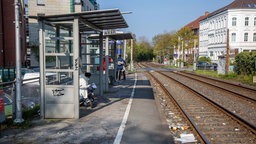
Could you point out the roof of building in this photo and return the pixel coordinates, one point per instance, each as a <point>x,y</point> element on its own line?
<point>89,20</point>
<point>195,24</point>
<point>237,4</point>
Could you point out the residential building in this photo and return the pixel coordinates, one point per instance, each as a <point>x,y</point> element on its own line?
<point>52,7</point>
<point>236,21</point>
<point>7,34</point>
<point>194,25</point>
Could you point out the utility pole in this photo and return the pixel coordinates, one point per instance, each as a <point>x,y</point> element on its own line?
<point>18,118</point>
<point>227,54</point>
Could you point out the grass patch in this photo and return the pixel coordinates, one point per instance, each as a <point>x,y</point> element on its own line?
<point>248,80</point>
<point>207,73</point>
<point>27,114</point>
<point>170,66</point>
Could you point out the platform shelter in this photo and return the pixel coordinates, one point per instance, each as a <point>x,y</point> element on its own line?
<point>111,51</point>
<point>61,54</point>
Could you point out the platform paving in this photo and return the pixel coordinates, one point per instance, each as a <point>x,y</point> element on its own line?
<point>126,114</point>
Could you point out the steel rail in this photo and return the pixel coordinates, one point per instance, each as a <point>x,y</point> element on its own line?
<point>186,115</point>
<point>239,119</point>
<point>237,85</point>
<point>233,92</point>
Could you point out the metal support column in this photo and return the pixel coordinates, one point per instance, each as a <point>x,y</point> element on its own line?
<point>114,59</point>
<point>131,54</point>
<point>42,69</point>
<point>87,51</point>
<point>124,56</point>
<point>101,64</point>
<point>76,64</point>
<point>107,62</point>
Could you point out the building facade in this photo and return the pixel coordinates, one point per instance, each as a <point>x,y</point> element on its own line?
<point>236,22</point>
<point>50,7</point>
<point>7,34</point>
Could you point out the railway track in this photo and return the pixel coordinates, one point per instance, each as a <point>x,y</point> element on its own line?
<point>240,106</point>
<point>212,122</point>
<point>242,91</point>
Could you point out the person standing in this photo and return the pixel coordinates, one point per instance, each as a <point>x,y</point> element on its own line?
<point>120,68</point>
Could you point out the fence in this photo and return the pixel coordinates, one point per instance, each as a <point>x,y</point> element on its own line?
<point>7,74</point>
<point>30,95</point>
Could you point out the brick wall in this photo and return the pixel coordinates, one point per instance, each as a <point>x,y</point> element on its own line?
<point>8,34</point>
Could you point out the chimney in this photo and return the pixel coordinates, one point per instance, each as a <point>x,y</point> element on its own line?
<point>206,13</point>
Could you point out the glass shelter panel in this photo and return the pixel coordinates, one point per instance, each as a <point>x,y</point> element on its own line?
<point>59,46</point>
<point>59,55</point>
<point>59,62</point>
<point>59,78</point>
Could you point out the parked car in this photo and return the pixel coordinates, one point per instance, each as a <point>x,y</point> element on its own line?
<point>26,70</point>
<point>215,66</point>
<point>28,74</point>
<point>204,65</point>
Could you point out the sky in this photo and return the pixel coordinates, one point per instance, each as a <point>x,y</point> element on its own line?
<point>150,18</point>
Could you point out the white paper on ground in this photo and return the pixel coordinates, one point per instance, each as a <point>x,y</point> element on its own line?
<point>186,138</point>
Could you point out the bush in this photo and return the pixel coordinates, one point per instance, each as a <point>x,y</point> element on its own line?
<point>245,63</point>
<point>29,114</point>
<point>204,59</point>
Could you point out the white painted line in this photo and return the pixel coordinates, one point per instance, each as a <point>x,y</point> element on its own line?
<point>126,114</point>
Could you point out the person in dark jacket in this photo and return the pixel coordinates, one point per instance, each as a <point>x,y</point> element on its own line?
<point>120,68</point>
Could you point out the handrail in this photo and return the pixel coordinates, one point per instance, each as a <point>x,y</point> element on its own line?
<point>7,83</point>
<point>11,82</point>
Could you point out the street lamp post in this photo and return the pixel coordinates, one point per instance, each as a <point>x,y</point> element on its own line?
<point>131,63</point>
<point>18,118</point>
<point>131,66</point>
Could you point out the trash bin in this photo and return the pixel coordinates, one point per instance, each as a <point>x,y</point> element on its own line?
<point>2,114</point>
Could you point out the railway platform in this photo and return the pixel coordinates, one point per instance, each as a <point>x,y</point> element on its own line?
<point>128,113</point>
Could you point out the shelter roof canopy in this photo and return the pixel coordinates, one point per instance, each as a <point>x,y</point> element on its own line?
<point>120,36</point>
<point>89,20</point>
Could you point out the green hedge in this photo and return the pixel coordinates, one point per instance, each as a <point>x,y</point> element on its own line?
<point>246,63</point>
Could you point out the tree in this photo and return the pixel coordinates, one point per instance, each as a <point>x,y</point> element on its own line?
<point>163,46</point>
<point>204,59</point>
<point>143,51</point>
<point>187,36</point>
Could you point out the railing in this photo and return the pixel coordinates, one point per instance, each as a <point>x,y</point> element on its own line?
<point>29,95</point>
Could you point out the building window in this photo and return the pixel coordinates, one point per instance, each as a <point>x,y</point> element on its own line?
<point>40,14</point>
<point>233,37</point>
<point>254,37</point>
<point>245,37</point>
<point>40,2</point>
<point>211,53</point>
<point>246,22</point>
<point>234,21</point>
<point>255,21</point>
<point>77,1</point>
